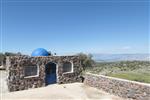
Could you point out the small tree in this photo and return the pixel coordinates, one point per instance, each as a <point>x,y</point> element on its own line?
<point>86,60</point>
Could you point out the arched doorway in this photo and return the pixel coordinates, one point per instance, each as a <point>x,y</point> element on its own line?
<point>50,73</point>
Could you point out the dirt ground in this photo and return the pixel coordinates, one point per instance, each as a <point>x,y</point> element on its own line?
<point>74,91</point>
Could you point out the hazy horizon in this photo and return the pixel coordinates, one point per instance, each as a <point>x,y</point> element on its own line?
<point>74,53</point>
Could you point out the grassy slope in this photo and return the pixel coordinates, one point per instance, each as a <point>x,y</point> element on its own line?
<point>131,70</point>
<point>134,76</point>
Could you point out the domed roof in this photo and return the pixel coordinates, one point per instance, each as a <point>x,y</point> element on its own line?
<point>40,52</point>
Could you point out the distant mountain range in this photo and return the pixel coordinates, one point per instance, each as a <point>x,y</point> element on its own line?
<point>120,57</point>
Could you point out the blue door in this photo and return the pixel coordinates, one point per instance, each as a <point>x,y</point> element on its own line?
<point>50,71</point>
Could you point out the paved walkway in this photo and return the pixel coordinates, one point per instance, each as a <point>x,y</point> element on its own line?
<point>3,83</point>
<point>74,91</point>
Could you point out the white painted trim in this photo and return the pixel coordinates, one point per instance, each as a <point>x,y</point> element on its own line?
<point>37,74</point>
<point>72,68</point>
<point>57,80</point>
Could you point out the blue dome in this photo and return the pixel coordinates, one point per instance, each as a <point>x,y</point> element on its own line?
<point>40,52</point>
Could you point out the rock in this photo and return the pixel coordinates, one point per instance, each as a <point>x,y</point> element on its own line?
<point>131,94</point>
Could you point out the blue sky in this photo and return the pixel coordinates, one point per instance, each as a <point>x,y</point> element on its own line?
<point>72,26</point>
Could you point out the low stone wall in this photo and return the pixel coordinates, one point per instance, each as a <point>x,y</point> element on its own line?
<point>119,87</point>
<point>16,77</point>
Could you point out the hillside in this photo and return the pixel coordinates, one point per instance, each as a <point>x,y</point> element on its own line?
<point>131,70</point>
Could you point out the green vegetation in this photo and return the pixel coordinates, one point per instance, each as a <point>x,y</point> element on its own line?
<point>131,70</point>
<point>86,60</point>
<point>134,76</point>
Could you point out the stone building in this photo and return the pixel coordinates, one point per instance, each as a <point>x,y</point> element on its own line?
<point>26,72</point>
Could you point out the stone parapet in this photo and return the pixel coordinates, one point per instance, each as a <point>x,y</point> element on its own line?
<point>120,87</point>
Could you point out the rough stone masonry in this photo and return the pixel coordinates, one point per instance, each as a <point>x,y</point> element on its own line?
<point>120,87</point>
<point>16,79</point>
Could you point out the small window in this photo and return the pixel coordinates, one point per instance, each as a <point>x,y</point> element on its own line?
<point>67,67</point>
<point>30,71</point>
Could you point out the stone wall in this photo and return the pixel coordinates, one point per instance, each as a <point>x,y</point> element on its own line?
<point>120,87</point>
<point>16,77</point>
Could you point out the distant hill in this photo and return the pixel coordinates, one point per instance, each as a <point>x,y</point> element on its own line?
<point>120,57</point>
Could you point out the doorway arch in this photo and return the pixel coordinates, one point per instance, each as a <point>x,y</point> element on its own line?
<point>50,73</point>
